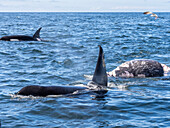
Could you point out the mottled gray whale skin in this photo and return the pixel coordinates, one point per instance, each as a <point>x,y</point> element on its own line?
<point>139,68</point>
<point>98,83</point>
<point>35,37</point>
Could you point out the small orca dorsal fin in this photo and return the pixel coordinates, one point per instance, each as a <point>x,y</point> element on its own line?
<point>100,76</point>
<point>37,33</point>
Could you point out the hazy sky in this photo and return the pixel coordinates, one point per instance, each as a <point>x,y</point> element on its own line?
<point>84,5</point>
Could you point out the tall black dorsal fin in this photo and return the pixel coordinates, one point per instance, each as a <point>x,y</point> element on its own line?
<point>37,34</point>
<point>100,76</point>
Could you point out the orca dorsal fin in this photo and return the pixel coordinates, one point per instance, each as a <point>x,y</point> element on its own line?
<point>37,34</point>
<point>100,75</point>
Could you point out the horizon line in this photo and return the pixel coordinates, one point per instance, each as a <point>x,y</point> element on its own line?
<point>82,11</point>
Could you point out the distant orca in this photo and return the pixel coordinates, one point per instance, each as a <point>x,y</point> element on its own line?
<point>140,68</point>
<point>35,37</point>
<point>98,83</point>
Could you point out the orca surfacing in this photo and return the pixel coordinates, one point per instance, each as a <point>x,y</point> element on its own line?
<point>35,37</point>
<point>98,83</point>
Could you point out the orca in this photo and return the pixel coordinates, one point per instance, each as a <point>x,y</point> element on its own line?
<point>98,83</point>
<point>140,68</point>
<point>35,37</point>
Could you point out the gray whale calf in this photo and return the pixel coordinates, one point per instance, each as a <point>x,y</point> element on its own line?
<point>98,83</point>
<point>140,68</point>
<point>35,37</point>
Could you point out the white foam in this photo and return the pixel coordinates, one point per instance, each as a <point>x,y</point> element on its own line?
<point>32,97</point>
<point>89,77</point>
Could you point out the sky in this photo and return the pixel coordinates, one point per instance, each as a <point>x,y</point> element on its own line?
<point>84,5</point>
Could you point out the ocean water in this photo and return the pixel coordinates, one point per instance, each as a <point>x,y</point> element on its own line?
<point>69,57</point>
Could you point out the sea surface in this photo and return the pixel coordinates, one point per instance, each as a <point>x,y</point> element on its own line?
<point>69,56</point>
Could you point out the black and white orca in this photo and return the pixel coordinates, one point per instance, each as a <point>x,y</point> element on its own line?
<point>98,83</point>
<point>140,68</point>
<point>35,37</point>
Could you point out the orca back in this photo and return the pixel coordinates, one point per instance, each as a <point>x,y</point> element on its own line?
<point>37,34</point>
<point>48,90</point>
<point>17,38</point>
<point>35,37</point>
<point>100,75</point>
<point>99,79</point>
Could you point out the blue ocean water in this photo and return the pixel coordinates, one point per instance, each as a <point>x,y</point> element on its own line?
<point>69,58</point>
